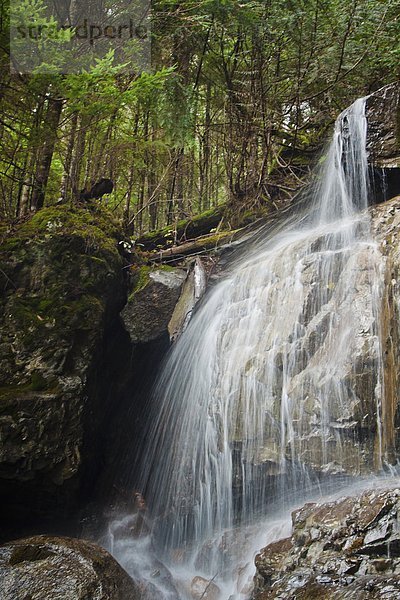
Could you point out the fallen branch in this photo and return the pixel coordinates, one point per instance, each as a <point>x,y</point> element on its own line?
<point>199,245</point>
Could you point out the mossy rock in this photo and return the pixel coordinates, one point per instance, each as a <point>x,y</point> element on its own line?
<point>63,282</point>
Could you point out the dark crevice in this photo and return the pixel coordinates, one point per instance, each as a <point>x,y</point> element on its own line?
<point>385,184</point>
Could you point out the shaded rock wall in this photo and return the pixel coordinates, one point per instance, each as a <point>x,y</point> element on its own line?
<point>383,142</point>
<point>63,288</point>
<point>75,371</point>
<point>383,135</point>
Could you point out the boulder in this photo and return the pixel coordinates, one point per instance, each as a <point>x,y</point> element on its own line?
<point>344,549</point>
<point>204,589</point>
<point>162,299</point>
<point>192,290</point>
<point>151,302</point>
<point>62,568</point>
<point>383,134</point>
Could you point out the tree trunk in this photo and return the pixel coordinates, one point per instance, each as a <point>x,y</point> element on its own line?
<point>45,157</point>
<point>77,158</point>
<point>66,177</point>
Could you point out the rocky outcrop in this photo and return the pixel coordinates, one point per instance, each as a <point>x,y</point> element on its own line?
<point>348,549</point>
<point>329,435</point>
<point>386,229</point>
<point>192,290</point>
<point>63,287</point>
<point>74,369</point>
<point>383,141</point>
<point>161,300</point>
<point>151,302</point>
<point>383,134</point>
<point>62,568</point>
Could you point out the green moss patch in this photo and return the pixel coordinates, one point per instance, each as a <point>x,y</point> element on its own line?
<point>94,227</point>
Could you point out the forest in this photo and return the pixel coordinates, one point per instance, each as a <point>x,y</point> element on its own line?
<point>231,109</point>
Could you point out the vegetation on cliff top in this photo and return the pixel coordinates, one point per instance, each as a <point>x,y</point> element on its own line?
<point>232,109</point>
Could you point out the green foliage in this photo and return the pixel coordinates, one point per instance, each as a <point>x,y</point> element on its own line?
<point>237,92</point>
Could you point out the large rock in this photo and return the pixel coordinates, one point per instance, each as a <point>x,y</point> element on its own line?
<point>192,290</point>
<point>162,299</point>
<point>151,302</point>
<point>343,417</point>
<point>348,549</point>
<point>63,287</point>
<point>383,134</point>
<point>62,568</point>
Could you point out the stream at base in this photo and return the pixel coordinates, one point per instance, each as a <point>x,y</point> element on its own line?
<point>237,548</point>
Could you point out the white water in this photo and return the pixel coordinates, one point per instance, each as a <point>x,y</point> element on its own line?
<point>260,386</point>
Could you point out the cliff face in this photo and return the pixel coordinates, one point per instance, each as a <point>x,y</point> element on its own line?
<point>383,141</point>
<point>383,136</point>
<point>63,287</point>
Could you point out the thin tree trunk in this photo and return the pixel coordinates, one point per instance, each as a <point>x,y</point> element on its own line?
<point>77,158</point>
<point>66,177</point>
<point>151,186</point>
<point>30,163</point>
<point>127,209</point>
<point>46,153</point>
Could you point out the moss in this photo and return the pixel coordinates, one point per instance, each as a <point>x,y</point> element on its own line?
<point>10,393</point>
<point>140,277</point>
<point>95,227</point>
<point>29,553</point>
<point>38,382</point>
<point>185,228</point>
<point>139,281</point>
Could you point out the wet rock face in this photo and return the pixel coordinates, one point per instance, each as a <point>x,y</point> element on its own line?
<point>386,228</point>
<point>345,549</point>
<point>355,437</point>
<point>60,568</point>
<point>383,137</point>
<point>203,589</point>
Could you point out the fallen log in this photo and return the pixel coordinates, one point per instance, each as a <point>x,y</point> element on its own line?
<point>182,231</point>
<point>200,245</point>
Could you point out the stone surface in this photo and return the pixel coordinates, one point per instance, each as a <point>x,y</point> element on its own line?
<point>355,438</point>
<point>386,228</point>
<point>344,549</point>
<point>204,589</point>
<point>62,281</point>
<point>151,303</point>
<point>383,137</point>
<point>161,300</point>
<point>62,568</point>
<point>192,290</point>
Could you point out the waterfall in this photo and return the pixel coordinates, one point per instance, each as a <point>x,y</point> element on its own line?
<point>257,397</point>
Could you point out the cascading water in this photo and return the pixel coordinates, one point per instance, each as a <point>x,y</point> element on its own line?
<point>257,396</point>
